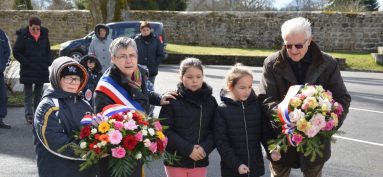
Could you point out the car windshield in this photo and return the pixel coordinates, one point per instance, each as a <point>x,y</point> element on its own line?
<point>130,30</point>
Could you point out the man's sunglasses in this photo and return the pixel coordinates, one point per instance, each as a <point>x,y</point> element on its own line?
<point>297,46</point>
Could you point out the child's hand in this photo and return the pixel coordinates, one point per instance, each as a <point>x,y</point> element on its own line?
<point>200,150</point>
<point>196,155</point>
<point>275,155</point>
<point>243,169</point>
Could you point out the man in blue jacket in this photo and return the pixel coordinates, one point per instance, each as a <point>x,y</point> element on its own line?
<point>5,53</point>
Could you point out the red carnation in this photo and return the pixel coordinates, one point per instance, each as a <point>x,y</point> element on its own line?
<point>160,146</point>
<point>85,132</point>
<point>91,145</point>
<point>117,117</point>
<point>129,142</point>
<point>97,150</point>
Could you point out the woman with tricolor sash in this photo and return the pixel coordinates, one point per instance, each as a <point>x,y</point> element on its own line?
<point>125,82</point>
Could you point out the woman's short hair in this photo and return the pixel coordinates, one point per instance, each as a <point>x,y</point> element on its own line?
<point>145,24</point>
<point>34,20</point>
<point>296,25</point>
<point>121,42</point>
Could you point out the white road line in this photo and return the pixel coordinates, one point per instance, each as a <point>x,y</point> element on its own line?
<point>360,141</point>
<point>367,110</point>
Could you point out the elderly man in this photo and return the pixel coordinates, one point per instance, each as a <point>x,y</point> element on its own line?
<point>300,61</point>
<point>125,82</point>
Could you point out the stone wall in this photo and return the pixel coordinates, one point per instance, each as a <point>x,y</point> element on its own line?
<point>332,31</point>
<point>62,25</point>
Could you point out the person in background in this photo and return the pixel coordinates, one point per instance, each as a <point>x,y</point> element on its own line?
<point>57,116</point>
<point>150,50</point>
<point>190,119</point>
<point>241,127</point>
<point>93,68</point>
<point>299,62</point>
<point>125,83</point>
<point>99,47</point>
<point>5,53</point>
<point>33,50</point>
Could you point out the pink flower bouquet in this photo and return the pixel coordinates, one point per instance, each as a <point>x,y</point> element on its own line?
<point>307,113</point>
<point>124,135</point>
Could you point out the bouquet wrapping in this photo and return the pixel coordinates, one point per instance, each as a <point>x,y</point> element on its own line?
<point>123,135</point>
<point>307,114</point>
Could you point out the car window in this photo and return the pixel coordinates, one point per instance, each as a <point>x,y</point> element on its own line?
<point>124,31</point>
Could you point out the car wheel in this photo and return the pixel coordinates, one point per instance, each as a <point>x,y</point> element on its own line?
<point>76,55</point>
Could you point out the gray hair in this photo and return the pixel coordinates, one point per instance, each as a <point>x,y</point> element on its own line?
<point>296,25</point>
<point>121,42</point>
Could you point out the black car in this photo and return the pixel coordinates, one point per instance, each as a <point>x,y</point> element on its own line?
<point>79,47</point>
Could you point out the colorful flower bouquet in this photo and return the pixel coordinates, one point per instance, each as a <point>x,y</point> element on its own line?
<point>307,114</point>
<point>123,134</point>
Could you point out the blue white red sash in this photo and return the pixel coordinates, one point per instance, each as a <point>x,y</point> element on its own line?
<point>283,113</point>
<point>118,94</point>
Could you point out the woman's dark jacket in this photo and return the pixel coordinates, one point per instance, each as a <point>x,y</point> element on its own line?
<point>276,79</point>
<point>52,130</point>
<point>150,52</point>
<point>143,97</point>
<point>190,118</point>
<point>240,128</point>
<point>34,56</point>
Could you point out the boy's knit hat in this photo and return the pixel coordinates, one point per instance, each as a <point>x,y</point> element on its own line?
<point>71,70</point>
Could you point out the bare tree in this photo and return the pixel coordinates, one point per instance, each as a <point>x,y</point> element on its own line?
<point>61,5</point>
<point>306,5</point>
<point>104,11</point>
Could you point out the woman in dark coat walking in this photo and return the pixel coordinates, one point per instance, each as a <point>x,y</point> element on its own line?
<point>33,51</point>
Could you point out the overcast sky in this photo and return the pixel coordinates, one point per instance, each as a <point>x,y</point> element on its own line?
<point>282,3</point>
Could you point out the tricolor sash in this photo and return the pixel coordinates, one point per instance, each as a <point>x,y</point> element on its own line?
<point>283,113</point>
<point>118,94</point>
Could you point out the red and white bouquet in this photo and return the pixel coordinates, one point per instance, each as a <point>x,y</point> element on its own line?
<point>307,114</point>
<point>123,134</point>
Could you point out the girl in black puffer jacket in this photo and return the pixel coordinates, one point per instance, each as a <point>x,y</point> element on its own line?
<point>241,127</point>
<point>190,122</point>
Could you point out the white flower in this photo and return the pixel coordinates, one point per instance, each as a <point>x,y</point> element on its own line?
<point>111,121</point>
<point>93,131</point>
<point>144,132</point>
<point>318,121</point>
<point>103,143</point>
<point>151,131</point>
<point>99,145</point>
<point>309,91</point>
<point>296,115</point>
<point>144,127</point>
<point>130,115</point>
<point>83,145</point>
<point>325,102</point>
<point>83,156</point>
<point>138,155</point>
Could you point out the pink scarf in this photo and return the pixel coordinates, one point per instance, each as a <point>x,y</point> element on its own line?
<point>35,36</point>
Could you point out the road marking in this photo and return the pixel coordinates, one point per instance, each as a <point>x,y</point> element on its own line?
<point>367,110</point>
<point>360,141</point>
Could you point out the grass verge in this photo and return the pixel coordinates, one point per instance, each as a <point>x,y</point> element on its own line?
<point>15,99</point>
<point>354,61</point>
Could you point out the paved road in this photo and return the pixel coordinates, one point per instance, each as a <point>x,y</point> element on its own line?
<point>357,153</point>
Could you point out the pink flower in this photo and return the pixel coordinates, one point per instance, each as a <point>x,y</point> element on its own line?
<point>147,143</point>
<point>338,109</point>
<point>300,96</point>
<point>165,141</point>
<point>318,121</point>
<point>305,106</point>
<point>157,126</point>
<point>312,131</point>
<point>118,125</point>
<point>297,138</point>
<point>139,136</point>
<point>153,147</point>
<point>329,125</point>
<point>115,137</point>
<point>118,152</point>
<point>130,125</point>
